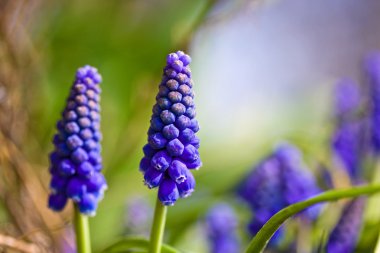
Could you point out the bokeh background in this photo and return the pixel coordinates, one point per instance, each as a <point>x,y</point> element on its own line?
<point>264,71</point>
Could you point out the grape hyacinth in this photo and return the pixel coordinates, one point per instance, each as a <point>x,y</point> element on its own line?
<point>373,70</point>
<point>221,225</point>
<point>76,163</point>
<point>346,144</point>
<point>344,236</point>
<point>347,99</point>
<point>348,137</point>
<point>278,181</point>
<point>172,148</point>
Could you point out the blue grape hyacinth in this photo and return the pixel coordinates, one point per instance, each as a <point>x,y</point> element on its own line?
<point>278,181</point>
<point>76,163</point>
<point>373,70</point>
<point>344,236</point>
<point>172,148</point>
<point>347,147</point>
<point>347,99</point>
<point>348,137</point>
<point>221,226</point>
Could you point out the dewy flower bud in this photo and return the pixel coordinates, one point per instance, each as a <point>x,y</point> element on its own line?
<point>172,147</point>
<point>75,163</point>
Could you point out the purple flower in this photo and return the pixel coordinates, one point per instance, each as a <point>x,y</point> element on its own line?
<point>344,236</point>
<point>278,181</point>
<point>348,138</point>
<point>138,217</point>
<point>172,148</point>
<point>221,225</point>
<point>373,71</point>
<point>76,162</point>
<point>347,99</point>
<point>297,182</point>
<point>347,148</point>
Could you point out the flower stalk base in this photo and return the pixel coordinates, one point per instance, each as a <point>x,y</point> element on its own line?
<point>82,232</point>
<point>158,227</point>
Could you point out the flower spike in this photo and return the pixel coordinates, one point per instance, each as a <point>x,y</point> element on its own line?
<point>172,148</point>
<point>76,163</point>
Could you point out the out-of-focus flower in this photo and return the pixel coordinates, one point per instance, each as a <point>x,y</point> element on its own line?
<point>138,217</point>
<point>221,225</point>
<point>76,163</point>
<point>347,99</point>
<point>344,236</point>
<point>347,140</point>
<point>278,181</point>
<point>346,144</point>
<point>297,182</point>
<point>373,71</point>
<point>172,148</point>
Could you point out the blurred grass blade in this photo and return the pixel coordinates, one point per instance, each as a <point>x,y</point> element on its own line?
<point>322,242</point>
<point>259,242</point>
<point>135,244</point>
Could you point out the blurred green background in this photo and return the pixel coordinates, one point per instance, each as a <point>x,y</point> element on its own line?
<point>263,72</point>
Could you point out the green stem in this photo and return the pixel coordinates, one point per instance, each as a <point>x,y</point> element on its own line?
<point>82,232</point>
<point>158,227</point>
<point>258,243</point>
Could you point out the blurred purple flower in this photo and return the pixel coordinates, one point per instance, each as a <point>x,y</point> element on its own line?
<point>346,144</point>
<point>76,163</point>
<point>221,225</point>
<point>349,139</point>
<point>138,217</point>
<point>347,99</point>
<point>278,181</point>
<point>344,236</point>
<point>172,148</point>
<point>373,71</point>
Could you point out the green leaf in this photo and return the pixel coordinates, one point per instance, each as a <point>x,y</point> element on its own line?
<point>135,244</point>
<point>259,242</point>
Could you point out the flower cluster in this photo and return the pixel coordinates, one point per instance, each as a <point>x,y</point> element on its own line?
<point>344,236</point>
<point>278,181</point>
<point>221,226</point>
<point>172,148</point>
<point>346,144</point>
<point>348,136</point>
<point>373,71</point>
<point>76,163</point>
